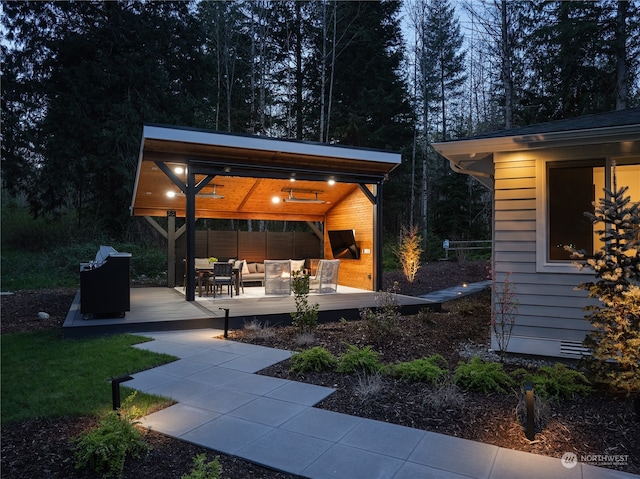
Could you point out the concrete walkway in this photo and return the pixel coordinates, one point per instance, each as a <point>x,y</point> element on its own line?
<point>224,406</point>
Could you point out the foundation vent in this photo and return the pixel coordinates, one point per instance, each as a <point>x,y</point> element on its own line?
<point>573,349</point>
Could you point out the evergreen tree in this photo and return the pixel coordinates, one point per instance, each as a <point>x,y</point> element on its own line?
<point>224,66</point>
<point>439,88</point>
<point>371,107</point>
<point>100,70</point>
<point>571,69</point>
<point>615,339</point>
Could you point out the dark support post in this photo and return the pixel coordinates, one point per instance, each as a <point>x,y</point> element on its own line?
<point>531,428</point>
<point>190,290</point>
<point>171,249</point>
<point>377,238</point>
<point>115,390</point>
<point>226,322</point>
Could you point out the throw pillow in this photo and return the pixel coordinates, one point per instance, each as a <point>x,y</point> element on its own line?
<point>296,265</point>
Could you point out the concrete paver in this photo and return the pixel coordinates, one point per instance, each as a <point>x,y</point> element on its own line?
<point>271,421</point>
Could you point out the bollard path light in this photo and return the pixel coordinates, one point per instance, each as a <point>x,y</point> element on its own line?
<point>530,427</point>
<point>115,390</point>
<point>226,322</point>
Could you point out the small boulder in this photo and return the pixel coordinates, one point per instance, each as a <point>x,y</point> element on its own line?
<point>42,315</point>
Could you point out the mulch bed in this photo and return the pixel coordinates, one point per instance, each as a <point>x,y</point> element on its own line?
<point>598,424</point>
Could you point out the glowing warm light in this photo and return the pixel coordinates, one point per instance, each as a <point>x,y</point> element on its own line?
<point>292,180</point>
<point>331,182</point>
<point>179,170</point>
<point>275,200</point>
<point>464,285</point>
<point>171,194</point>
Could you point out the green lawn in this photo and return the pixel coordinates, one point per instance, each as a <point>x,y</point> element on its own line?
<point>44,375</point>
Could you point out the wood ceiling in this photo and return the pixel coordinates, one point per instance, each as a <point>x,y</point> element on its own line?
<point>248,175</point>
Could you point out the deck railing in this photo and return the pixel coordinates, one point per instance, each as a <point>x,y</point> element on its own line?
<point>464,245</point>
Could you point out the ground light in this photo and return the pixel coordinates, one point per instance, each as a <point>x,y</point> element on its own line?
<point>530,431</point>
<point>226,322</point>
<point>115,390</point>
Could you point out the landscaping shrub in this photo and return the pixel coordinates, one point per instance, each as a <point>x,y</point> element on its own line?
<point>557,382</point>
<point>305,316</point>
<point>104,449</point>
<point>409,251</point>
<point>356,359</point>
<point>313,359</point>
<point>427,370</point>
<point>382,323</point>
<point>368,386</point>
<point>256,330</point>
<point>477,375</point>
<point>444,395</point>
<point>304,339</point>
<point>203,469</point>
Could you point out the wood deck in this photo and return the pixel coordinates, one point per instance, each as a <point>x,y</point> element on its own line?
<point>162,309</point>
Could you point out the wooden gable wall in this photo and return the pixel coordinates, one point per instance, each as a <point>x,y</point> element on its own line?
<point>354,212</point>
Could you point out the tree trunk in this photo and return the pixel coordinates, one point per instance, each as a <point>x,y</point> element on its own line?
<point>298,70</point>
<point>622,68</point>
<point>323,69</point>
<point>507,76</point>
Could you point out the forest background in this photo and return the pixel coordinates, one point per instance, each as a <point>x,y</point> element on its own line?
<point>79,79</point>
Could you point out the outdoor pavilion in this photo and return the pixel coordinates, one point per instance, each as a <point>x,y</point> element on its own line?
<point>221,175</point>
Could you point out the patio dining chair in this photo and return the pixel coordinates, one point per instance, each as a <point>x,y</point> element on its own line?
<point>222,275</point>
<point>326,277</point>
<point>202,273</point>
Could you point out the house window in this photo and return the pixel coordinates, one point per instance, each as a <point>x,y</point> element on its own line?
<point>572,188</point>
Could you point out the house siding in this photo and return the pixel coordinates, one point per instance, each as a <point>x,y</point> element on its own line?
<point>550,310</point>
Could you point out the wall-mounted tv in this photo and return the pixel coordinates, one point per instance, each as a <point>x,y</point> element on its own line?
<point>343,244</point>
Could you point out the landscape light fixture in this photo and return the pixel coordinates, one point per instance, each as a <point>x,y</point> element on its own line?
<point>115,390</point>
<point>530,419</point>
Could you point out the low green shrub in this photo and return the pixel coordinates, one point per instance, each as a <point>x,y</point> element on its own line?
<point>312,359</point>
<point>356,359</point>
<point>203,469</point>
<point>382,324</point>
<point>477,375</point>
<point>555,382</point>
<point>427,370</point>
<point>104,449</point>
<point>305,317</point>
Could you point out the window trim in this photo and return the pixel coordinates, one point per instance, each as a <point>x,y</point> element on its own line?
<point>543,264</point>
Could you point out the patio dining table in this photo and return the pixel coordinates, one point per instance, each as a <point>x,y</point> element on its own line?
<point>204,271</point>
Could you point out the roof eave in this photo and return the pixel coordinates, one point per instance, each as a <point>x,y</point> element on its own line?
<point>465,154</point>
<point>543,140</point>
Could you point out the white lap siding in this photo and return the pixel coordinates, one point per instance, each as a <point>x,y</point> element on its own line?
<point>550,319</point>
